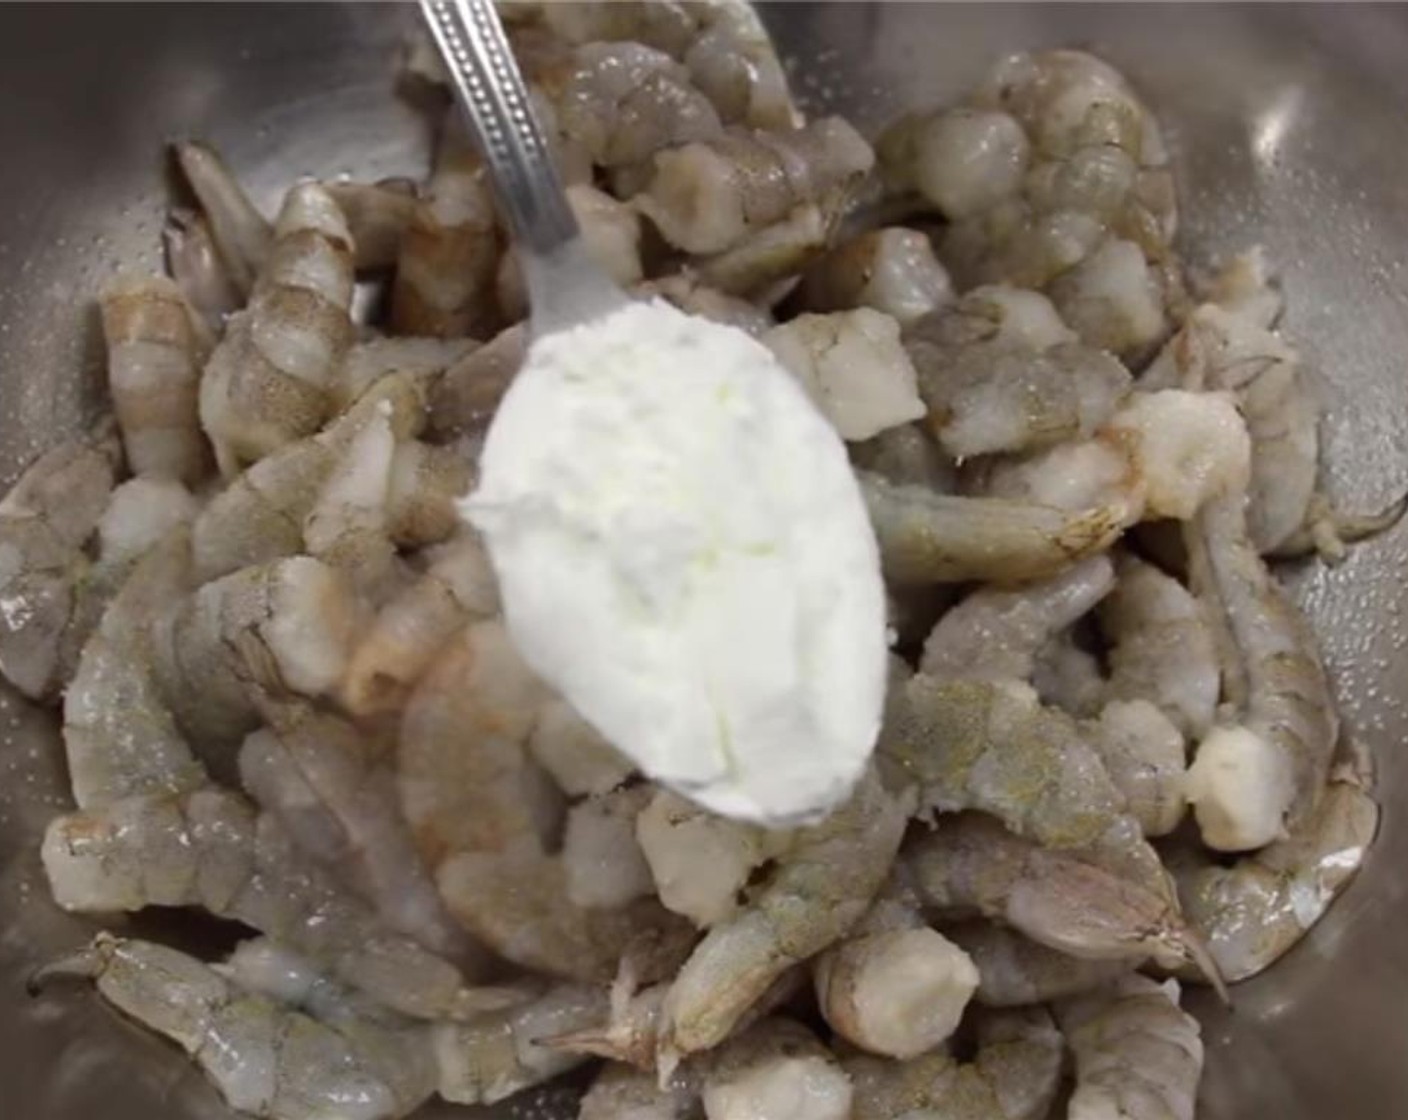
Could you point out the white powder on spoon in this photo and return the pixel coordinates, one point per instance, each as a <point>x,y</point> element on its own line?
<point>683,553</point>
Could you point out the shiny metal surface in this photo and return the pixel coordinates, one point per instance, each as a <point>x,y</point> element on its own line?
<point>1289,128</point>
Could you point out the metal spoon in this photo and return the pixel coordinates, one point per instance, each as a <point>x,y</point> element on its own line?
<point>565,286</point>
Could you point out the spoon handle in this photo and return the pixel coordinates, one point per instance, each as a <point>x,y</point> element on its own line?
<point>495,101</point>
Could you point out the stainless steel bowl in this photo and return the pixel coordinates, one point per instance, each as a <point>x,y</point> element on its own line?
<point>1289,129</point>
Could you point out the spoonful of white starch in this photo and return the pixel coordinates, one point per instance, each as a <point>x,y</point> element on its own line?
<point>681,546</point>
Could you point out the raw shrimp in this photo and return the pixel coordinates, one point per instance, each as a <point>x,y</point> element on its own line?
<point>1114,300</point>
<point>610,231</point>
<point>603,862</point>
<point>45,521</point>
<point>272,628</point>
<point>464,400</point>
<point>1013,1076</point>
<point>242,236</point>
<point>814,894</point>
<point>1162,646</point>
<point>575,754</point>
<point>778,1069</point>
<point>664,25</point>
<point>1014,970</point>
<point>1253,912</point>
<point>892,270</point>
<point>270,379</point>
<point>1137,1055</point>
<point>119,737</point>
<point>156,347</point>
<point>623,102</point>
<point>962,160</point>
<point>1068,676</point>
<point>209,848</point>
<point>450,250</point>
<point>194,263</point>
<point>940,538</point>
<point>279,1041</point>
<point>316,771</point>
<point>347,527</point>
<point>1144,755</point>
<point>259,517</point>
<point>707,196</point>
<point>622,1092</point>
<point>378,215</point>
<point>908,456</point>
<point>265,1059</point>
<point>996,635</point>
<point>970,864</point>
<point>421,361</point>
<point>853,368</point>
<point>760,267</point>
<point>388,658</point>
<point>1261,775</point>
<point>894,986</point>
<point>701,862</point>
<point>993,746</point>
<point>985,395</point>
<point>481,813</point>
<point>733,63</point>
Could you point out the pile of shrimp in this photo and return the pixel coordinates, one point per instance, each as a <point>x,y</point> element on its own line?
<point>1109,761</point>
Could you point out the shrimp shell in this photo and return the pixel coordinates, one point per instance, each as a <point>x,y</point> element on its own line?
<point>195,264</point>
<point>939,538</point>
<point>378,215</point>
<point>241,234</point>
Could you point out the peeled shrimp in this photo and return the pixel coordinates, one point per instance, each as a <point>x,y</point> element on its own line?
<point>701,862</point>
<point>278,1041</point>
<point>995,747</point>
<point>1162,646</point>
<point>1014,970</point>
<point>45,521</point>
<point>209,848</point>
<point>1137,1055</point>
<point>1253,912</point>
<point>891,270</point>
<point>733,63</point>
<point>241,234</point>
<point>814,894</point>
<point>970,864</point>
<point>264,1059</point>
<point>707,196</point>
<point>463,401</point>
<point>196,266</point>
<point>760,267</point>
<point>576,755</point>
<point>156,348</point>
<point>852,366</point>
<point>684,290</point>
<point>378,215</point>
<point>277,628</point>
<point>996,635</point>
<point>894,986</point>
<point>1013,1076</point>
<point>985,395</point>
<point>778,1069</point>
<point>388,658</point>
<point>907,455</point>
<point>119,737</point>
<point>624,101</point>
<point>421,361</point>
<point>270,379</point>
<point>939,538</point>
<point>482,812</point>
<point>603,862</point>
<point>664,25</point>
<point>1114,300</point>
<point>622,1092</point>
<point>1068,676</point>
<point>319,773</point>
<point>962,160</point>
<point>1145,757</point>
<point>1261,775</point>
<point>260,516</point>
<point>449,252</point>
